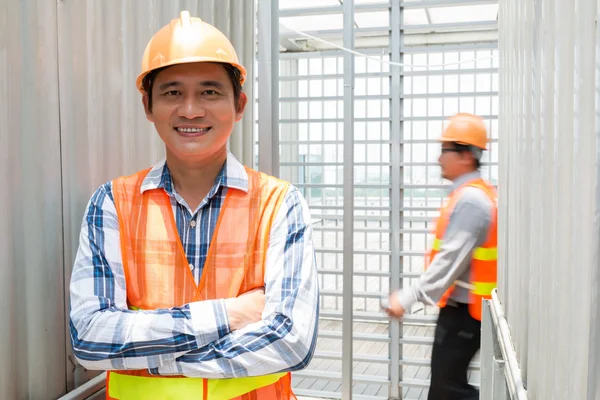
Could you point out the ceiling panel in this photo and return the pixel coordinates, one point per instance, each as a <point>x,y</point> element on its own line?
<point>314,22</point>
<point>415,17</point>
<point>372,19</point>
<point>291,4</point>
<point>446,15</point>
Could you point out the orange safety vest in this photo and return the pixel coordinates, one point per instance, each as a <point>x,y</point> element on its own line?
<point>158,276</point>
<point>483,278</point>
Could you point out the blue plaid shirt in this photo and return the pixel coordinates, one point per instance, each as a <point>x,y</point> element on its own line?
<point>194,340</point>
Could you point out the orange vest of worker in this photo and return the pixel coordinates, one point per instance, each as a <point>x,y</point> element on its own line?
<point>158,276</point>
<point>483,275</point>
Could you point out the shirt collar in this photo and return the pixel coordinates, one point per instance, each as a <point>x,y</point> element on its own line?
<point>461,180</point>
<point>233,175</point>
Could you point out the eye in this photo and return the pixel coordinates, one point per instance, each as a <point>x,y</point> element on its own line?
<point>172,93</point>
<point>211,92</point>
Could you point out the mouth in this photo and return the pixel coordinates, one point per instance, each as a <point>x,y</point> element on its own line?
<point>187,131</point>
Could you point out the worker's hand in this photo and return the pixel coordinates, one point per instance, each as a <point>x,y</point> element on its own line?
<point>245,309</point>
<point>393,308</point>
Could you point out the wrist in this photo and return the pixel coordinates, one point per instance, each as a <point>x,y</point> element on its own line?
<point>405,299</point>
<point>232,314</point>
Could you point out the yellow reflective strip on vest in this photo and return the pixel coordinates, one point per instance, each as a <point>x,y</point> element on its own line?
<point>130,387</point>
<point>483,288</point>
<point>485,254</point>
<point>226,389</point>
<point>480,253</point>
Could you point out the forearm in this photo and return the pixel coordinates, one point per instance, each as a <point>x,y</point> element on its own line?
<point>264,348</point>
<point>450,263</point>
<point>116,338</point>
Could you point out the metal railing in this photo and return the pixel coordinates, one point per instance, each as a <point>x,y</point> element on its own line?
<point>500,371</point>
<point>91,390</point>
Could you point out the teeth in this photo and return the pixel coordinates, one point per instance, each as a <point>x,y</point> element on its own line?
<point>192,130</point>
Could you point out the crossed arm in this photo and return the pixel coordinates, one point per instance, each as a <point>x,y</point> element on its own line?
<point>210,339</point>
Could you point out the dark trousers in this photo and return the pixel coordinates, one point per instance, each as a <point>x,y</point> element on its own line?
<point>457,340</point>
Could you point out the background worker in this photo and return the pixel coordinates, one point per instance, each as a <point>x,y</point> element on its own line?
<point>461,267</point>
<point>197,267</point>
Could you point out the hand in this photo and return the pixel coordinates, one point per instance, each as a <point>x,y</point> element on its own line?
<point>393,308</point>
<point>245,309</point>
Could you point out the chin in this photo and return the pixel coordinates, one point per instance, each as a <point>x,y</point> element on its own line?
<point>200,153</point>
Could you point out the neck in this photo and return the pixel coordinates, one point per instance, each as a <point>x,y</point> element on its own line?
<point>193,179</point>
<point>460,176</point>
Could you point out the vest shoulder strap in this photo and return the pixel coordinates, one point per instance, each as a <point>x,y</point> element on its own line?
<point>129,185</point>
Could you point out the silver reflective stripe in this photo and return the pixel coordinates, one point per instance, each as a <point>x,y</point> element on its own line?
<point>464,285</point>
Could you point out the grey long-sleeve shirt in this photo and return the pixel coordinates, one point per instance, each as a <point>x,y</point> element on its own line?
<point>467,229</point>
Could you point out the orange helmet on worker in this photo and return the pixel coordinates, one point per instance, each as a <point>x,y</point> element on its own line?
<point>463,142</point>
<point>187,40</point>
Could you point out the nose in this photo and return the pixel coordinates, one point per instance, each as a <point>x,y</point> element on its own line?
<point>192,108</point>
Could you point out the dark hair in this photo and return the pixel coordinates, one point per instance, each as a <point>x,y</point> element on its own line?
<point>233,73</point>
<point>465,148</point>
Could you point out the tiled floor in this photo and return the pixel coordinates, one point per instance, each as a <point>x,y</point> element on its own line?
<point>331,388</point>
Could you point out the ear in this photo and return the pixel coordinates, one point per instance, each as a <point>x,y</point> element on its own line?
<point>468,159</point>
<point>241,106</point>
<point>145,100</point>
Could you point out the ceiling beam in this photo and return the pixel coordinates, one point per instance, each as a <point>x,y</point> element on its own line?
<point>325,10</point>
<point>413,40</point>
<point>445,3</point>
<point>383,6</point>
<point>407,29</point>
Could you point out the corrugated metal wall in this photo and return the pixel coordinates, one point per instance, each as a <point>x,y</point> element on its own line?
<point>71,119</point>
<point>32,333</point>
<point>549,193</point>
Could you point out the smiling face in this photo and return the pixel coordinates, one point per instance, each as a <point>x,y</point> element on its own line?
<point>194,110</point>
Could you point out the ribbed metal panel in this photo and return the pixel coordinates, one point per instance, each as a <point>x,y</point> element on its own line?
<point>71,119</point>
<point>549,199</point>
<point>32,320</point>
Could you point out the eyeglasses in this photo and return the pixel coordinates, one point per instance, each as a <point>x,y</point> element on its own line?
<point>451,150</point>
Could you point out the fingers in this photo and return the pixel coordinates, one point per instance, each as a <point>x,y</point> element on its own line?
<point>393,315</point>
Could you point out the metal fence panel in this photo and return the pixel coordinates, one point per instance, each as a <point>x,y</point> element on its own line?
<point>398,113</point>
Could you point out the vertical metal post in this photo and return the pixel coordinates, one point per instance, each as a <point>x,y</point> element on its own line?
<point>348,258</point>
<point>487,353</point>
<point>396,197</point>
<point>246,147</point>
<point>593,386</point>
<point>268,86</point>
<point>499,388</point>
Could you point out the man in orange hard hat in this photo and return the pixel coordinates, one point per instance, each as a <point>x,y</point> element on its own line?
<point>461,267</point>
<point>195,278</point>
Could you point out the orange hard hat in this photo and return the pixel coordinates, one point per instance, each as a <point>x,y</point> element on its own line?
<point>187,40</point>
<point>466,129</point>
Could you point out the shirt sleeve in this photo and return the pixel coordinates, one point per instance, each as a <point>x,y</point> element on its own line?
<point>466,230</point>
<point>105,334</point>
<point>284,340</point>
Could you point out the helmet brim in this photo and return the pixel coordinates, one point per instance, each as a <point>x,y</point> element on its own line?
<point>189,60</point>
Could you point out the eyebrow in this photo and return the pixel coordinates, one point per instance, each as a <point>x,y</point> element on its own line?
<point>168,85</point>
<point>215,84</point>
<point>174,84</point>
